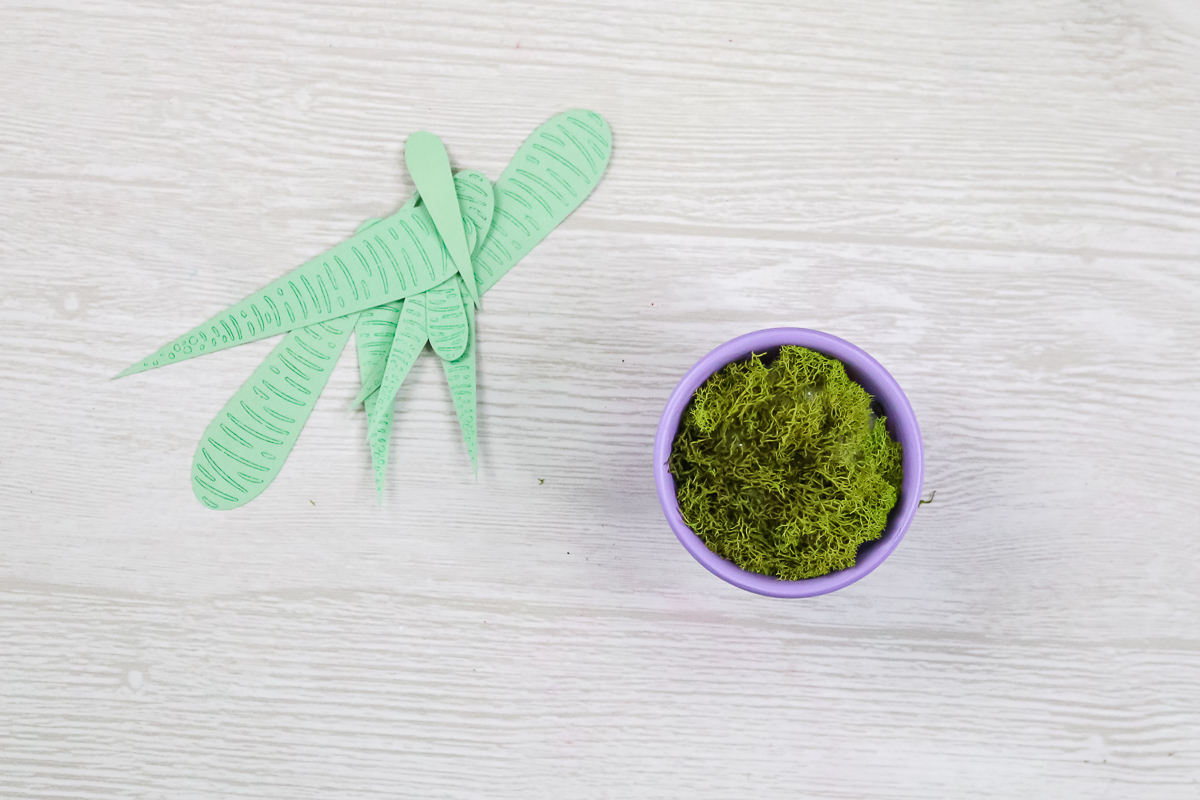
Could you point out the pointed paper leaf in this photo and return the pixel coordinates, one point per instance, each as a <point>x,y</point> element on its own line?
<point>373,334</point>
<point>407,345</point>
<point>429,166</point>
<point>460,375</point>
<point>395,258</point>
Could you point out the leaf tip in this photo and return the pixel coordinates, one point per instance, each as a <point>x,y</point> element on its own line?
<point>132,369</point>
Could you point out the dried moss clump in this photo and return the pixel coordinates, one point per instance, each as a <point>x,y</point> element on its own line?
<point>783,468</point>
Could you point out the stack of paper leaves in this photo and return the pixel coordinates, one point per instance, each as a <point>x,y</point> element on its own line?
<point>400,282</point>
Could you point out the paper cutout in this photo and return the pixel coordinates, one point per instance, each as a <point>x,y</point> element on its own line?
<point>378,421</point>
<point>245,446</point>
<point>395,258</point>
<point>449,326</point>
<point>407,345</point>
<point>429,166</point>
<point>483,198</point>
<point>447,320</point>
<point>460,376</point>
<point>379,448</point>
<point>370,384</point>
<point>368,279</point>
<point>272,407</point>
<point>375,328</point>
<point>373,333</point>
<point>551,174</point>
<point>373,336</point>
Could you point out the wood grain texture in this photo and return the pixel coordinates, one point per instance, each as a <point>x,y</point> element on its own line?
<point>997,200</point>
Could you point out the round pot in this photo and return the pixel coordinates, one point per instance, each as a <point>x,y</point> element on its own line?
<point>901,424</point>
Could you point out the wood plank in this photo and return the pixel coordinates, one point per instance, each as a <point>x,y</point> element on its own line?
<point>998,201</point>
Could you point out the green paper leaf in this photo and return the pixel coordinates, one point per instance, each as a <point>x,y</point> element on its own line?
<point>245,446</point>
<point>447,319</point>
<point>555,169</point>
<point>460,375</point>
<point>429,166</point>
<point>445,328</point>
<point>481,196</point>
<point>373,334</point>
<point>395,258</point>
<point>407,345</point>
<point>227,478</point>
<point>551,174</point>
<point>375,328</point>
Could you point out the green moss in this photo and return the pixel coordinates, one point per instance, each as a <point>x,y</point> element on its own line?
<point>782,468</point>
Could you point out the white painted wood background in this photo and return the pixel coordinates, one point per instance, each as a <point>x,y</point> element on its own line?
<point>999,200</point>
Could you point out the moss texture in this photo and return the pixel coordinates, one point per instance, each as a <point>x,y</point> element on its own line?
<point>783,468</point>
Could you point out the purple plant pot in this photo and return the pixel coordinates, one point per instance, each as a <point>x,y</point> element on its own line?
<point>901,424</point>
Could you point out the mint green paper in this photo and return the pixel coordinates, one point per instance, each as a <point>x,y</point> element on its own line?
<point>447,319</point>
<point>373,335</point>
<point>551,174</point>
<point>374,330</point>
<point>554,170</point>
<point>429,166</point>
<point>395,258</point>
<point>460,376</point>
<point>481,195</point>
<point>448,298</point>
<point>244,447</point>
<point>370,384</point>
<point>258,415</point>
<point>406,346</point>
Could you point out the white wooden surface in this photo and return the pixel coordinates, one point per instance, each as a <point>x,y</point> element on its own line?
<point>998,200</point>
